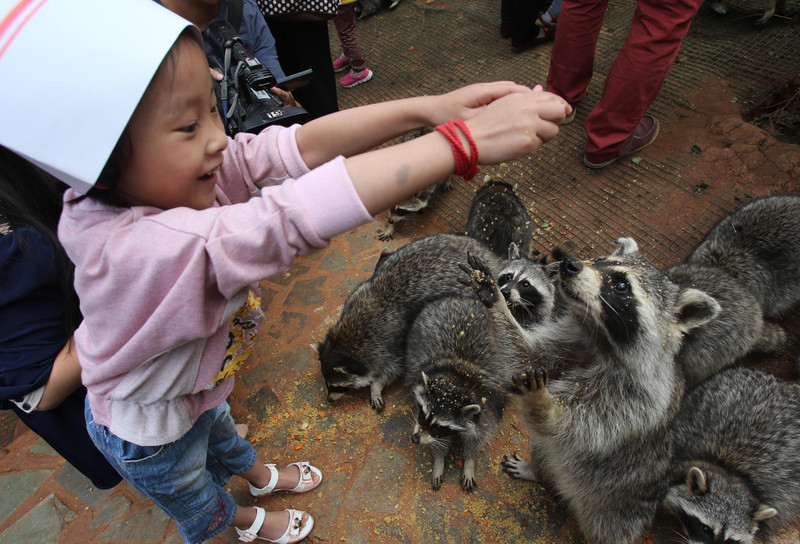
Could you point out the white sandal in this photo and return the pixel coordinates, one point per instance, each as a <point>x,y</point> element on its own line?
<point>306,482</point>
<point>293,532</point>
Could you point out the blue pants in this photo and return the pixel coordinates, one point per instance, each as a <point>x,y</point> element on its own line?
<point>185,477</point>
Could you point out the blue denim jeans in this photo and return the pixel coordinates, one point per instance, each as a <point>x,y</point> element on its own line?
<point>185,477</point>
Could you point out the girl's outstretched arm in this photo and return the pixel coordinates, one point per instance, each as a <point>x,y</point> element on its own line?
<point>508,128</point>
<point>356,130</point>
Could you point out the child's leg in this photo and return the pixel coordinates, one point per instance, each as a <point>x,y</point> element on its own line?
<point>174,477</point>
<point>345,23</point>
<point>229,454</point>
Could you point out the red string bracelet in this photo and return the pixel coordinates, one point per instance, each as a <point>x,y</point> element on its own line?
<point>466,164</point>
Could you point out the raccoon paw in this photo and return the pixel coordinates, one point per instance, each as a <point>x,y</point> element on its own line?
<point>468,483</point>
<point>377,404</point>
<point>479,279</point>
<point>436,482</point>
<point>530,380</point>
<point>518,468</point>
<point>385,236</point>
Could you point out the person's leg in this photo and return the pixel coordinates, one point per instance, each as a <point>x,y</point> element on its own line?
<point>302,45</point>
<point>345,24</point>
<point>229,454</point>
<point>572,60</point>
<point>637,74</point>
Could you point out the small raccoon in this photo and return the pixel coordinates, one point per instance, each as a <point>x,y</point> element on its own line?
<point>419,201</point>
<point>457,380</point>
<point>750,263</point>
<point>600,435</point>
<point>532,326</point>
<point>770,8</point>
<point>367,344</point>
<point>527,288</point>
<point>737,468</point>
<point>497,217</point>
<point>365,8</point>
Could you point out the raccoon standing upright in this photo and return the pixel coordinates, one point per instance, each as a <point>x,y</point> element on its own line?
<point>750,263</point>
<point>367,344</point>
<point>600,435</point>
<point>737,458</point>
<point>497,217</point>
<point>457,381</point>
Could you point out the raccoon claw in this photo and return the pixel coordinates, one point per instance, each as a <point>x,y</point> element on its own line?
<point>516,467</point>
<point>377,404</point>
<point>480,279</point>
<point>385,236</point>
<point>468,484</point>
<point>436,483</point>
<point>523,382</point>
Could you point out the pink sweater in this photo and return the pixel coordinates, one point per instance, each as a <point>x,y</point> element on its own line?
<point>158,287</point>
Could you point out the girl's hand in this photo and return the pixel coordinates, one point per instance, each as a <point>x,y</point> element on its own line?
<point>516,124</point>
<point>466,102</point>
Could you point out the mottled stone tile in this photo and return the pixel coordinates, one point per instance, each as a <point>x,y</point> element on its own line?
<point>16,487</point>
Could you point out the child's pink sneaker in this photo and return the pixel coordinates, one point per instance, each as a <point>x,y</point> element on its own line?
<point>340,64</point>
<point>356,78</point>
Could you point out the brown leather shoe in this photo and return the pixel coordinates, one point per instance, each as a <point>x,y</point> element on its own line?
<point>644,134</point>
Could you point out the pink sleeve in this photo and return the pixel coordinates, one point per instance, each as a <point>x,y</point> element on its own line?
<point>251,161</point>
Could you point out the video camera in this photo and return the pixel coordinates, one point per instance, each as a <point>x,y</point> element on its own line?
<point>244,99</point>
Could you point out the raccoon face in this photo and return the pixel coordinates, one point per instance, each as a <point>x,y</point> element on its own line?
<point>528,292</point>
<point>715,508</point>
<point>341,372</point>
<point>441,412</point>
<point>630,301</point>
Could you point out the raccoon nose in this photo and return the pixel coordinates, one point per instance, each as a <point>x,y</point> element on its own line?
<point>505,292</point>
<point>415,438</point>
<point>570,266</point>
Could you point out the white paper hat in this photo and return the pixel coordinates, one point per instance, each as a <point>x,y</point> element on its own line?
<point>71,74</point>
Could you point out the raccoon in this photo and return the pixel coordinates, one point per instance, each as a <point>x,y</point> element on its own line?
<point>600,435</point>
<point>457,381</point>
<point>528,289</point>
<point>367,344</point>
<point>529,321</point>
<point>750,263</point>
<point>770,8</point>
<point>497,217</point>
<point>737,470</point>
<point>419,201</point>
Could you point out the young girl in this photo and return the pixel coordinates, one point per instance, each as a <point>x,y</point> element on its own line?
<point>171,241</point>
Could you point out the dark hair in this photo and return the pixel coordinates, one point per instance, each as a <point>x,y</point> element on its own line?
<point>31,198</point>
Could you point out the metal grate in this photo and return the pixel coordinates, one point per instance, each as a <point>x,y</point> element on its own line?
<point>431,48</point>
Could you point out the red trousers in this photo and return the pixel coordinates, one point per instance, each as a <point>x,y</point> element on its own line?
<point>637,74</point>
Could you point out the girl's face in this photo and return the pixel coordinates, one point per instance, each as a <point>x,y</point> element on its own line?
<point>176,137</point>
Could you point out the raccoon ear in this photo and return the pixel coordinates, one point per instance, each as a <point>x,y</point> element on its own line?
<point>695,308</point>
<point>764,512</point>
<point>385,252</point>
<point>425,381</point>
<point>315,346</point>
<point>513,252</point>
<point>696,481</point>
<point>627,246</point>
<point>471,410</point>
<point>341,370</point>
